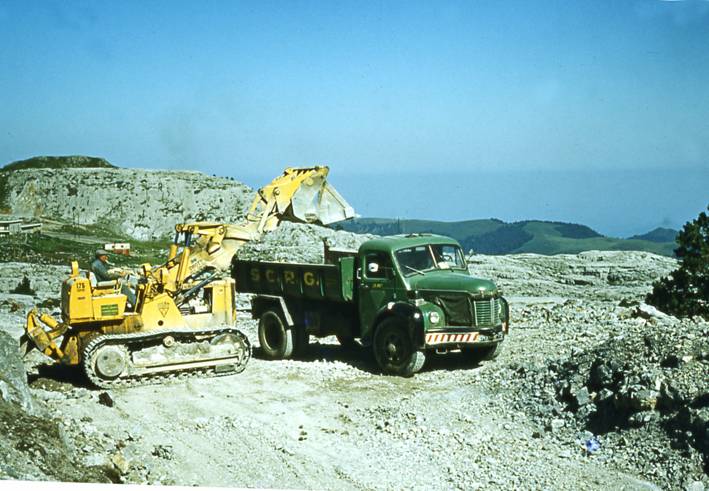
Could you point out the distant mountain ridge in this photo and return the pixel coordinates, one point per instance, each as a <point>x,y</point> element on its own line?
<point>659,234</point>
<point>493,236</point>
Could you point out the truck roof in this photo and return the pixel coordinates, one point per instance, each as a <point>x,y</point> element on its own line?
<point>396,242</point>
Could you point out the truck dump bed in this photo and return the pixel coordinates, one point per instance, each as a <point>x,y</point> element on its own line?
<point>332,282</point>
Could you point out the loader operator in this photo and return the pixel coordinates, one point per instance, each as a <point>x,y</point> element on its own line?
<point>100,269</point>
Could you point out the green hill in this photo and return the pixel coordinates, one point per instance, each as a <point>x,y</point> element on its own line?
<point>658,235</point>
<point>493,236</point>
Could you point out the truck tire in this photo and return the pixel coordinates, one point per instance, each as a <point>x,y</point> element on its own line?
<point>394,351</point>
<point>276,341</point>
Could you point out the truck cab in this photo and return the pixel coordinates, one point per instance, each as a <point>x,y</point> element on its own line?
<point>416,294</point>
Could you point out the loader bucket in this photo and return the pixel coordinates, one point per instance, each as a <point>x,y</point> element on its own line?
<point>301,194</point>
<point>316,201</point>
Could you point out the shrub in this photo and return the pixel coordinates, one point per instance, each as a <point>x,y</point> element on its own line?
<point>685,292</point>
<point>23,287</point>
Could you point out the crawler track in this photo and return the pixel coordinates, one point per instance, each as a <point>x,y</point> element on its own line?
<point>126,360</point>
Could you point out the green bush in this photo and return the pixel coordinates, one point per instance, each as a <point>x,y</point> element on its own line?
<point>685,292</point>
<point>23,287</point>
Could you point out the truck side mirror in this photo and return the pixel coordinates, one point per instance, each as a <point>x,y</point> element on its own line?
<point>372,268</point>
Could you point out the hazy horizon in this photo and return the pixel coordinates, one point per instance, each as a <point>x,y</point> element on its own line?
<point>595,205</point>
<point>584,197</point>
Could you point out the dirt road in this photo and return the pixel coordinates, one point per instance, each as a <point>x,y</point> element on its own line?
<point>329,422</point>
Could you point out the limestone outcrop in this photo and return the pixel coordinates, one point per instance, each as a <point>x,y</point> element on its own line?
<point>143,204</point>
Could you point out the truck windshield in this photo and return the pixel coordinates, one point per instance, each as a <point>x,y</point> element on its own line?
<point>418,259</point>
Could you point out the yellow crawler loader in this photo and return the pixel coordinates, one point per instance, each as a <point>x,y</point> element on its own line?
<point>171,332</point>
<point>184,319</point>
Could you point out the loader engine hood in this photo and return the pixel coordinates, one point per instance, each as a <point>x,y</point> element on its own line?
<point>453,281</point>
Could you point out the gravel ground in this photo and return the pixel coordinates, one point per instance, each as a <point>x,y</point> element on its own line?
<point>593,390</point>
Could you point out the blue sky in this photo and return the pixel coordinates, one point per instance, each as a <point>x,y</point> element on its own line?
<point>587,111</point>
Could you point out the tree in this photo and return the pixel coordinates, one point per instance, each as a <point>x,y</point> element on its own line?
<point>685,292</point>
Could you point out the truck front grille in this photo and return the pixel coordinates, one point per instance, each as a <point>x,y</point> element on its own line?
<point>461,310</point>
<point>486,312</point>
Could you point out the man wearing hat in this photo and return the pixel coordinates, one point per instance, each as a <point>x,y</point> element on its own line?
<point>100,269</point>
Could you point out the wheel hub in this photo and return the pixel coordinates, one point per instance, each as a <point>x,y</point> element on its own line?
<point>110,361</point>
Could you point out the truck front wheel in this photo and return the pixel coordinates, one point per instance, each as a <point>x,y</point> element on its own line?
<point>276,341</point>
<point>394,350</point>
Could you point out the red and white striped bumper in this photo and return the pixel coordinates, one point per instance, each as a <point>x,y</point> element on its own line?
<point>434,338</point>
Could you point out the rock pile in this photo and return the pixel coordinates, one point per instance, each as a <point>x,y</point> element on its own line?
<point>299,243</point>
<point>639,384</point>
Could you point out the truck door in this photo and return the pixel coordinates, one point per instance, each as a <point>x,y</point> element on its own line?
<point>377,286</point>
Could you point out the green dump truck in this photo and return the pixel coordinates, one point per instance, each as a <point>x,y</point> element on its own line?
<point>400,295</point>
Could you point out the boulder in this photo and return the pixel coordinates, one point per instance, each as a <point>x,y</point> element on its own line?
<point>13,379</point>
<point>648,312</point>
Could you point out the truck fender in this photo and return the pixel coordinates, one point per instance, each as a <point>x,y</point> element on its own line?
<point>409,315</point>
<point>262,303</point>
<point>506,313</point>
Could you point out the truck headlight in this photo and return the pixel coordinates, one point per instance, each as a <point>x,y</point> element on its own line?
<point>434,317</point>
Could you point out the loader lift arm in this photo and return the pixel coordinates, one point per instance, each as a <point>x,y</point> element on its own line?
<point>300,194</point>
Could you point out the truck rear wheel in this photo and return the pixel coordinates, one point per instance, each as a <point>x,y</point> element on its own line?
<point>394,350</point>
<point>276,341</point>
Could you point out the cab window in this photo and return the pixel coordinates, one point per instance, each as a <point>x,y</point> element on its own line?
<point>414,259</point>
<point>448,256</point>
<point>378,265</point>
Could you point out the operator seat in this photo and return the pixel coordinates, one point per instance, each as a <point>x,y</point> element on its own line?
<point>101,285</point>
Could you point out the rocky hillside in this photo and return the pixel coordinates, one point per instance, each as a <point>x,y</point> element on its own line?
<point>143,204</point>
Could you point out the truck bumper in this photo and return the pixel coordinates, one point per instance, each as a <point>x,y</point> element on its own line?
<point>453,339</point>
